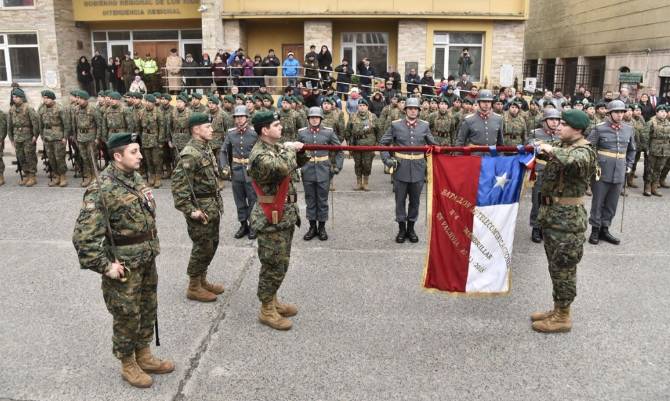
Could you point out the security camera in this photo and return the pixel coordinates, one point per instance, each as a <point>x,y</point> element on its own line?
<point>202,8</point>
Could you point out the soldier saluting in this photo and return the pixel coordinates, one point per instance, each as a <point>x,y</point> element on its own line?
<point>614,141</point>
<point>410,168</point>
<point>115,235</point>
<point>482,128</point>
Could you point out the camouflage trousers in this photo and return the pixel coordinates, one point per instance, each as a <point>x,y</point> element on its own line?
<point>56,155</point>
<point>658,165</point>
<point>363,163</point>
<point>86,158</point>
<point>26,154</point>
<point>154,158</point>
<point>564,251</point>
<point>205,239</point>
<point>217,156</point>
<point>274,252</point>
<point>2,163</point>
<point>442,140</point>
<point>133,306</point>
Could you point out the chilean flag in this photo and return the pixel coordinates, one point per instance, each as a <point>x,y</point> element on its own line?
<point>473,205</point>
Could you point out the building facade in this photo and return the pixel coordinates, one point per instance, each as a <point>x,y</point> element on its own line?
<point>600,44</point>
<point>42,40</point>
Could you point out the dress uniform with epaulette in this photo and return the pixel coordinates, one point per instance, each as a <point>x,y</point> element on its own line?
<point>481,129</point>
<point>410,169</point>
<point>316,174</point>
<point>234,159</point>
<point>614,143</point>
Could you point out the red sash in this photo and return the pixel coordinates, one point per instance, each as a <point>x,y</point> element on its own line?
<point>273,207</point>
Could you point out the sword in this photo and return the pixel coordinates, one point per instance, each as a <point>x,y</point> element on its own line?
<point>623,204</point>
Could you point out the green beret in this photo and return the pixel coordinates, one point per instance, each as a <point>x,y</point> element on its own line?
<point>229,99</point>
<point>467,101</point>
<point>121,139</point>
<point>634,106</point>
<point>213,99</point>
<point>183,97</point>
<point>197,119</point>
<point>115,95</point>
<point>576,119</point>
<point>364,101</point>
<point>157,95</point>
<point>196,95</point>
<point>166,96</point>
<point>239,96</point>
<point>49,94</point>
<point>299,99</point>
<point>443,99</point>
<point>269,97</point>
<point>137,95</point>
<point>83,94</point>
<point>150,98</point>
<point>103,93</point>
<point>18,92</point>
<point>74,92</point>
<point>662,107</point>
<point>127,95</point>
<point>264,117</point>
<point>330,100</point>
<point>601,104</point>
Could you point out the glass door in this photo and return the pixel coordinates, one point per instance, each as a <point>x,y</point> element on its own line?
<point>118,49</point>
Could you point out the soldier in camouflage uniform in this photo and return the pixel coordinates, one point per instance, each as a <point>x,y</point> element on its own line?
<point>116,119</point>
<point>23,124</point>
<point>55,124</point>
<point>85,124</point>
<point>456,112</point>
<point>634,117</point>
<point>424,114</point>
<point>196,105</point>
<point>195,190</point>
<point>166,110</point>
<point>290,121</point>
<point>179,132</point>
<point>333,118</point>
<point>659,147</point>
<point>128,264</point>
<point>275,216</point>
<point>3,135</point>
<point>571,163</point>
<point>300,109</point>
<point>442,124</point>
<point>221,123</point>
<point>514,126</point>
<point>152,132</point>
<point>547,134</point>
<point>534,117</point>
<point>362,130</point>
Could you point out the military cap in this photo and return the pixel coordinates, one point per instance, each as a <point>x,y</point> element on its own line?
<point>485,96</point>
<point>496,99</point>
<point>587,105</point>
<point>166,96</point>
<point>330,100</point>
<point>239,96</point>
<point>551,113</point>
<point>197,119</point>
<point>102,93</point>
<point>157,95</point>
<point>83,95</point>
<point>121,139</point>
<point>616,105</point>
<point>315,112</point>
<point>412,102</point>
<point>443,99</point>
<point>364,101</point>
<point>576,119</point>
<point>299,99</point>
<point>115,95</point>
<point>402,98</point>
<point>18,92</point>
<point>126,95</point>
<point>240,111</point>
<point>661,107</point>
<point>74,92</point>
<point>150,98</point>
<point>183,97</point>
<point>458,99</point>
<point>213,99</point>
<point>196,95</point>
<point>49,94</point>
<point>291,99</point>
<point>434,99</point>
<point>467,101</point>
<point>264,117</point>
<point>138,95</point>
<point>515,103</point>
<point>269,97</point>
<point>229,99</point>
<point>601,104</point>
<point>634,106</point>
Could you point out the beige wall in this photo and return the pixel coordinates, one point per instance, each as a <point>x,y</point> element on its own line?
<point>572,28</point>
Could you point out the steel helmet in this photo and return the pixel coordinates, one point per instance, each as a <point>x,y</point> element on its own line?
<point>616,105</point>
<point>485,95</point>
<point>315,112</point>
<point>412,102</point>
<point>240,111</point>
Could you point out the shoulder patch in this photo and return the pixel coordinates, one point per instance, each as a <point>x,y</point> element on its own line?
<point>601,123</point>
<point>470,115</point>
<point>424,121</point>
<point>395,121</point>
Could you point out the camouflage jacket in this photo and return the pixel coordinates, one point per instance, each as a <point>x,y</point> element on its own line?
<point>71,110</point>
<point>196,169</point>
<point>179,131</point>
<point>425,114</point>
<point>533,121</point>
<point>641,133</point>
<point>362,129</point>
<point>221,122</point>
<point>515,129</point>
<point>135,113</point>
<point>568,173</point>
<point>3,130</point>
<point>659,137</point>
<point>151,128</point>
<point>200,108</point>
<point>442,125</point>
<point>23,123</point>
<point>131,207</point>
<point>86,123</point>
<point>268,166</point>
<point>334,119</point>
<point>116,119</point>
<point>55,122</point>
<point>290,123</point>
<point>393,114</point>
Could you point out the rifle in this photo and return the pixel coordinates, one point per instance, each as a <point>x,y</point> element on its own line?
<point>74,156</point>
<point>18,167</point>
<point>47,166</point>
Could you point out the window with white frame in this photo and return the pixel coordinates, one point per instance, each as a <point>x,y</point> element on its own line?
<point>358,45</point>
<point>448,51</point>
<point>16,3</point>
<point>19,57</point>
<point>117,43</point>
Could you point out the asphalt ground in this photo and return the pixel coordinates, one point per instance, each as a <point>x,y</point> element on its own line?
<point>365,330</point>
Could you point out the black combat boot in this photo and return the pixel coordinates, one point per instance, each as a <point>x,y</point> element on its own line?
<point>536,235</point>
<point>594,238</point>
<point>402,233</point>
<point>410,232</point>
<point>242,231</point>
<point>311,233</point>
<point>252,233</point>
<point>323,235</point>
<point>607,237</point>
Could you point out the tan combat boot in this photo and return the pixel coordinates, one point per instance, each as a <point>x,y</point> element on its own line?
<point>214,288</point>
<point>286,310</point>
<point>150,180</point>
<point>55,180</point>
<point>630,182</point>
<point>22,181</point>
<point>365,183</point>
<point>157,181</point>
<point>654,189</point>
<point>2,180</point>
<point>647,189</point>
<point>150,363</point>
<point>195,291</point>
<point>85,181</point>
<point>537,316</point>
<point>559,322</point>
<point>31,181</point>
<point>270,317</point>
<point>62,182</point>
<point>359,183</point>
<point>131,372</point>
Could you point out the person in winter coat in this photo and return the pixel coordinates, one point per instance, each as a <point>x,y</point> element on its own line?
<point>173,67</point>
<point>84,75</point>
<point>127,71</point>
<point>270,64</point>
<point>205,72</point>
<point>413,80</point>
<point>190,67</point>
<point>366,72</point>
<point>99,69</point>
<point>343,79</point>
<point>258,71</point>
<point>311,72</point>
<point>427,83</point>
<point>325,60</point>
<point>220,72</point>
<point>248,73</point>
<point>290,70</point>
<point>377,104</point>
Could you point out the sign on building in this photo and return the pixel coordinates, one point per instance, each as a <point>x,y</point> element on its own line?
<point>506,75</point>
<point>630,77</point>
<point>530,84</point>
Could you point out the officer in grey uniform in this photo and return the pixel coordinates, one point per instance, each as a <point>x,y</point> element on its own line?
<point>483,128</point>
<point>614,141</point>
<point>410,167</point>
<point>234,155</point>
<point>316,174</point>
<point>551,119</point>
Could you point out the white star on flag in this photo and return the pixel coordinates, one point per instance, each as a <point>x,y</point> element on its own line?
<point>501,181</point>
